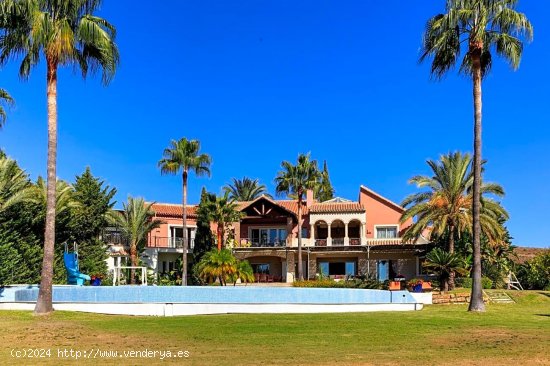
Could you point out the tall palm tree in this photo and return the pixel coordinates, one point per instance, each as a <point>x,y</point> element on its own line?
<point>296,180</point>
<point>446,207</point>
<point>14,184</point>
<point>5,99</point>
<point>135,222</point>
<point>66,33</point>
<point>184,155</point>
<point>486,26</point>
<point>223,211</point>
<point>246,189</point>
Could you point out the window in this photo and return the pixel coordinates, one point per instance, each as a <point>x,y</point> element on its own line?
<point>386,232</point>
<point>268,237</point>
<point>261,268</point>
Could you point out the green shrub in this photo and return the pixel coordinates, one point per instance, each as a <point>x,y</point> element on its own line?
<point>466,282</point>
<point>486,283</point>
<point>535,274</point>
<point>329,283</point>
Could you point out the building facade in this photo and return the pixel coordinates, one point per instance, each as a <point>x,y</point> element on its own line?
<point>340,238</point>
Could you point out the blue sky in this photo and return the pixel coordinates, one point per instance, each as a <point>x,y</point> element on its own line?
<point>260,81</point>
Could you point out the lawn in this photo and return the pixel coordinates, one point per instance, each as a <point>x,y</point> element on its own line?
<point>507,334</point>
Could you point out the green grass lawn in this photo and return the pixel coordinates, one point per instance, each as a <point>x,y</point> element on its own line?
<point>507,334</point>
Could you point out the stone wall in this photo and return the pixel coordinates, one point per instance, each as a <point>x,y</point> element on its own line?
<point>452,298</point>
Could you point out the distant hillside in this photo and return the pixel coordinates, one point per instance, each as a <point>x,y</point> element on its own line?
<point>524,253</point>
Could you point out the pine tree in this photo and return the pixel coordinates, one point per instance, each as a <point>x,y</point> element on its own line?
<point>89,220</point>
<point>324,191</point>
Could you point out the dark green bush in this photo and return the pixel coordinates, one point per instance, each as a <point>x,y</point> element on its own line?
<point>466,282</point>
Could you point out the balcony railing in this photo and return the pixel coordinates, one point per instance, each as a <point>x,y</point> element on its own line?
<point>335,242</point>
<point>114,238</point>
<point>254,243</point>
<point>171,242</point>
<point>320,242</point>
<point>354,241</point>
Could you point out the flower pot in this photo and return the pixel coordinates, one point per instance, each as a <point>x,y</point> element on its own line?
<point>96,282</point>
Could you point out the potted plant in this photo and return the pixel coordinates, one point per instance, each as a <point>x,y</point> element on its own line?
<point>415,285</point>
<point>96,279</point>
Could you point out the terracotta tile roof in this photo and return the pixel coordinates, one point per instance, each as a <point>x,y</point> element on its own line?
<point>174,210</point>
<point>336,207</point>
<point>293,206</point>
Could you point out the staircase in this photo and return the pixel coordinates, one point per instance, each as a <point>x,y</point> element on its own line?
<point>499,297</point>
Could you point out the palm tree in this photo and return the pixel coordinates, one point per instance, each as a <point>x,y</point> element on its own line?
<point>135,222</point>
<point>184,155</point>
<point>246,189</point>
<point>446,208</point>
<point>14,184</point>
<point>223,211</point>
<point>243,272</point>
<point>217,264</point>
<point>296,180</point>
<point>444,264</point>
<point>486,26</point>
<point>67,33</point>
<point>64,195</point>
<point>5,99</point>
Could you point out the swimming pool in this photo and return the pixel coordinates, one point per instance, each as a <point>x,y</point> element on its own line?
<point>177,300</point>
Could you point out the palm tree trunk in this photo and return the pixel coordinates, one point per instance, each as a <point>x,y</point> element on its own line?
<point>133,258</point>
<point>300,269</point>
<point>476,302</point>
<point>451,251</point>
<point>184,261</point>
<point>44,301</point>
<point>219,236</point>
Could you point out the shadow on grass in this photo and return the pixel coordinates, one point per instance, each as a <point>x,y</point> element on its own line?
<point>547,294</point>
<point>546,315</point>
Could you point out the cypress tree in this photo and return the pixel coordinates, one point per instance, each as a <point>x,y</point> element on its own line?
<point>324,191</point>
<point>89,220</point>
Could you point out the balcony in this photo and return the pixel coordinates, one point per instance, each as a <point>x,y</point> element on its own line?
<point>254,243</point>
<point>354,241</point>
<point>320,242</point>
<point>170,242</point>
<point>336,242</point>
<point>114,238</point>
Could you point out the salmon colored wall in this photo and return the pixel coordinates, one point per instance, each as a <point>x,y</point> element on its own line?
<point>164,230</point>
<point>380,212</point>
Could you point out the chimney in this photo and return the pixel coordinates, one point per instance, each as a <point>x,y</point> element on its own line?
<point>309,197</point>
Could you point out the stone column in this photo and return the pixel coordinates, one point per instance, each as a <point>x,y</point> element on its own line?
<point>329,237</point>
<point>362,267</point>
<point>312,266</point>
<point>346,236</point>
<point>290,275</point>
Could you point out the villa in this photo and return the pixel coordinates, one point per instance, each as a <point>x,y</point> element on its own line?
<point>340,238</point>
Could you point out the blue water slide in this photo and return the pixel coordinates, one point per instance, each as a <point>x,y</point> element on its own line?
<point>74,277</point>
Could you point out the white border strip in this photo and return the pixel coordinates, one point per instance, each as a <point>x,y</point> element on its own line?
<point>169,309</point>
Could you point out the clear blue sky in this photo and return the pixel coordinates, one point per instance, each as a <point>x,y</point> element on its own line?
<point>260,81</point>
